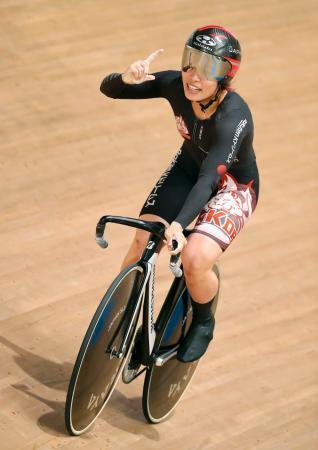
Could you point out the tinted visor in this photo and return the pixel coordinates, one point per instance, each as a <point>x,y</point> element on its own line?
<point>209,67</point>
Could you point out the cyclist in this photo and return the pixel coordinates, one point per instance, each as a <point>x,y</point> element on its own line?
<point>213,177</point>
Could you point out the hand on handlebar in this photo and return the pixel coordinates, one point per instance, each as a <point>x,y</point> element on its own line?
<point>138,71</point>
<point>174,232</point>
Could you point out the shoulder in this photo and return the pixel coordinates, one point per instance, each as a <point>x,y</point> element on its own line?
<point>233,114</point>
<point>234,105</point>
<point>234,101</point>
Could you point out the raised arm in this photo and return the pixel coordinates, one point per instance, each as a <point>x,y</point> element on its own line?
<point>135,82</point>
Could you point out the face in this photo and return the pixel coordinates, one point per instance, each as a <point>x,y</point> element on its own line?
<point>196,88</point>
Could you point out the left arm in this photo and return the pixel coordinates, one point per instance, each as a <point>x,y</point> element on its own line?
<point>227,139</point>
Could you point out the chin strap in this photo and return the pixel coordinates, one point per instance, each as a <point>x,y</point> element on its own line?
<point>204,107</point>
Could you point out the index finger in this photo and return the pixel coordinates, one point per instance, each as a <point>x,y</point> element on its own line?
<point>154,55</point>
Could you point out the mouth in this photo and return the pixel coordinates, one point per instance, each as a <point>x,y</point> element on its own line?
<point>193,89</point>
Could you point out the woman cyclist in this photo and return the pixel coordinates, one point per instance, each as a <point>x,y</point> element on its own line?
<point>213,178</point>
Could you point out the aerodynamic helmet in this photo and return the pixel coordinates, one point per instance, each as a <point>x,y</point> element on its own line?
<point>214,51</point>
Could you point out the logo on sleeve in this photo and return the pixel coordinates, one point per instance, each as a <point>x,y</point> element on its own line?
<point>240,127</point>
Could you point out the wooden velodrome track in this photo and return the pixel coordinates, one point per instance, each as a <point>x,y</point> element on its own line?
<point>69,155</point>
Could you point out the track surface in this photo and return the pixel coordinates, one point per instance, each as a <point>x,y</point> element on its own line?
<point>69,155</point>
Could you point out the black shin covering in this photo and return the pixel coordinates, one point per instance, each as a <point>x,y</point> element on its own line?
<point>200,333</point>
<point>201,311</point>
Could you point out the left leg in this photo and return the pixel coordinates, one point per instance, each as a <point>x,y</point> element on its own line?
<point>220,221</point>
<point>198,258</point>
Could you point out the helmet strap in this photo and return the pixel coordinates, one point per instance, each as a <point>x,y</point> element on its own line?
<point>213,99</point>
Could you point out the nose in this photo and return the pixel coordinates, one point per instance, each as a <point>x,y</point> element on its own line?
<point>193,74</point>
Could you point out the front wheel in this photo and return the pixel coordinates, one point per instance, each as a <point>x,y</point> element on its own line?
<point>97,366</point>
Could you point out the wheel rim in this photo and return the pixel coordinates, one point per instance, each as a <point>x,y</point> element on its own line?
<point>98,371</point>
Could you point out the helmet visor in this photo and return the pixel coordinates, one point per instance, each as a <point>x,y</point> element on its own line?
<point>208,66</point>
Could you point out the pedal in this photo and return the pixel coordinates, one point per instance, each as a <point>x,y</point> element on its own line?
<point>164,357</point>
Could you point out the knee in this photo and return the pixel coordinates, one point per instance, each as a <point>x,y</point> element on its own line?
<point>194,264</point>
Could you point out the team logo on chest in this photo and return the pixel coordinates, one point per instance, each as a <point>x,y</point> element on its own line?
<point>182,128</point>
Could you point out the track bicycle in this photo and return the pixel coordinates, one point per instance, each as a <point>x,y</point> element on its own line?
<point>114,345</point>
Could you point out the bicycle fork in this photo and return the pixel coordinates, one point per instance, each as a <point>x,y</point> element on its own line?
<point>148,332</point>
<point>146,293</point>
<point>132,313</point>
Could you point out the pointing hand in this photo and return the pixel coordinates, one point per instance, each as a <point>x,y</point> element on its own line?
<point>138,71</point>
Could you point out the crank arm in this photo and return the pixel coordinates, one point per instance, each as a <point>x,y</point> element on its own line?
<point>164,357</point>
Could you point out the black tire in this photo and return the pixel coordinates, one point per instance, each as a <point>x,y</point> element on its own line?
<point>96,369</point>
<point>165,385</point>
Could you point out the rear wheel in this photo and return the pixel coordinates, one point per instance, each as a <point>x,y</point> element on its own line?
<point>97,366</point>
<point>164,385</point>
